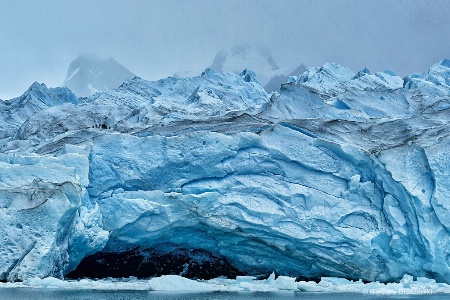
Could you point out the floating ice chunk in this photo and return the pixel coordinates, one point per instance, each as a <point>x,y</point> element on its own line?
<point>175,283</point>
<point>178,283</point>
<point>49,282</point>
<point>84,284</point>
<point>285,283</point>
<point>271,278</point>
<point>407,280</point>
<point>245,278</point>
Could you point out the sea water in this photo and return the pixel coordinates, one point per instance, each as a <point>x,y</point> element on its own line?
<point>56,294</point>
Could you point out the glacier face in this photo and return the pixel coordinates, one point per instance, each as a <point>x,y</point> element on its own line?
<point>340,174</point>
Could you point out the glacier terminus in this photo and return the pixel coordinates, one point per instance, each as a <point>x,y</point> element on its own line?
<point>338,174</point>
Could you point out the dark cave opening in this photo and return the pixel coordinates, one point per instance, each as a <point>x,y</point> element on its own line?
<point>146,263</point>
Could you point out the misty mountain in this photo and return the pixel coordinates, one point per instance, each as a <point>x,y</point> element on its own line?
<point>259,60</point>
<point>275,82</point>
<point>89,74</point>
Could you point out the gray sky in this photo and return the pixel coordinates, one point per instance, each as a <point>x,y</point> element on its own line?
<point>154,39</point>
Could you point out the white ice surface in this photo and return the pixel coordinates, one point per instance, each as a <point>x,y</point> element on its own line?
<point>175,283</point>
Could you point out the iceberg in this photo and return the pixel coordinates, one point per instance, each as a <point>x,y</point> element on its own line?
<point>339,175</point>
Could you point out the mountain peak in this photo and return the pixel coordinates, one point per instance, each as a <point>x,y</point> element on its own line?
<point>37,90</point>
<point>240,57</point>
<point>258,59</point>
<point>249,76</point>
<point>37,86</point>
<point>89,73</point>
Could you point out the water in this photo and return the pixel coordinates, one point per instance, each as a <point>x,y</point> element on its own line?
<point>54,294</point>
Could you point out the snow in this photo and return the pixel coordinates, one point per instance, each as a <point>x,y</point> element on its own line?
<point>338,175</point>
<point>329,79</point>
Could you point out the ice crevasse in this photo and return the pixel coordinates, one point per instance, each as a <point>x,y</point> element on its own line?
<point>339,174</point>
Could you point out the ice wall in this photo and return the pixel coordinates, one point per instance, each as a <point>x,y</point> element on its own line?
<point>340,174</point>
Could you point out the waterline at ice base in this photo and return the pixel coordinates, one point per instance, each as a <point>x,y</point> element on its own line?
<point>338,182</point>
<point>281,286</point>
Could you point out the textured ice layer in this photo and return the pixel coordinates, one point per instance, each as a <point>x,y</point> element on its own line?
<point>41,199</point>
<point>341,174</point>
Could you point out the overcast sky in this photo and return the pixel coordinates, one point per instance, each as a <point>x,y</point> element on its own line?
<point>154,39</point>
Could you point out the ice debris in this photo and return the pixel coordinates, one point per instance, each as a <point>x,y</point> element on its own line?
<point>175,283</point>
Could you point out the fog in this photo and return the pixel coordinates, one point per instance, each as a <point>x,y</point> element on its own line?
<point>154,39</point>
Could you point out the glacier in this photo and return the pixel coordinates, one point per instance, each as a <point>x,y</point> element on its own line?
<point>337,175</point>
